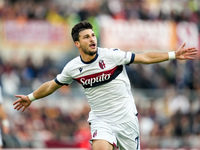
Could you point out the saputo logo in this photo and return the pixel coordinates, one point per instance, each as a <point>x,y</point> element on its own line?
<point>93,80</point>
<point>96,79</point>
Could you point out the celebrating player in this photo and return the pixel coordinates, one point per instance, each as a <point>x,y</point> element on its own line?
<point>101,72</point>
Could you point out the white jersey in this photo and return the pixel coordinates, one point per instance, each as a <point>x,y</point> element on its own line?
<point>105,83</point>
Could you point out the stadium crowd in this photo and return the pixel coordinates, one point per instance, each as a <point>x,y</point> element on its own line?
<point>167,94</point>
<point>61,11</point>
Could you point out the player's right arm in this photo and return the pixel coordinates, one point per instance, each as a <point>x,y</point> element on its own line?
<point>44,90</point>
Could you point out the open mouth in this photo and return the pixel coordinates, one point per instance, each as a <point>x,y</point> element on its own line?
<point>93,45</point>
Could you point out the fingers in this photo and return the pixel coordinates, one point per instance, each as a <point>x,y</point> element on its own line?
<point>183,45</point>
<point>192,51</point>
<point>24,109</point>
<point>20,106</point>
<point>190,57</point>
<point>192,48</point>
<point>18,96</point>
<point>17,106</point>
<point>17,101</point>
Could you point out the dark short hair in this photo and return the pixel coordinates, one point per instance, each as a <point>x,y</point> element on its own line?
<point>80,27</point>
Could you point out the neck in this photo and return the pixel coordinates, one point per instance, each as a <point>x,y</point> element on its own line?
<point>87,57</point>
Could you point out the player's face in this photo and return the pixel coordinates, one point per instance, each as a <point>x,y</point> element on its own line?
<point>87,42</point>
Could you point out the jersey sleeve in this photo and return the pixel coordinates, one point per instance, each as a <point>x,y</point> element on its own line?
<point>64,78</point>
<point>122,57</point>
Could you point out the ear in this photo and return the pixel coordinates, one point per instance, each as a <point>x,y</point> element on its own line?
<point>77,43</point>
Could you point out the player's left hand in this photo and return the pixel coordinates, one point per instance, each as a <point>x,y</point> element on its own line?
<point>186,53</point>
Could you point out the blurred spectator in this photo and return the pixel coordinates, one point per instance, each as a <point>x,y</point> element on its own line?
<point>180,103</point>
<point>5,126</point>
<point>10,79</point>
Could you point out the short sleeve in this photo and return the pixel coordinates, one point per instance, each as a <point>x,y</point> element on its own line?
<point>64,78</point>
<point>122,57</point>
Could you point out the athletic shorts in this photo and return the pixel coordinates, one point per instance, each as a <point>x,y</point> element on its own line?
<point>124,136</point>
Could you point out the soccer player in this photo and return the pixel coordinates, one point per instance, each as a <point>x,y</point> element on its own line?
<point>4,120</point>
<point>101,72</point>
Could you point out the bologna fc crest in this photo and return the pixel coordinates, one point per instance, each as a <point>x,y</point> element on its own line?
<point>102,64</point>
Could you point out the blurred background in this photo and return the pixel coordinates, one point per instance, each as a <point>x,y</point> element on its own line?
<point>35,45</point>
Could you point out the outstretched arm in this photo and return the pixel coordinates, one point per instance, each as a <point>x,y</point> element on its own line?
<point>44,90</point>
<point>156,57</point>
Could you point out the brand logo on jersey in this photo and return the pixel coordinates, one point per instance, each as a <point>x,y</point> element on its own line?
<point>91,81</point>
<point>95,134</point>
<point>102,64</point>
<point>80,69</point>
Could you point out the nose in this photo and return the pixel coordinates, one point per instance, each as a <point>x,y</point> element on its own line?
<point>92,38</point>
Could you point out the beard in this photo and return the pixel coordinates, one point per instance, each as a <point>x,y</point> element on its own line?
<point>90,53</point>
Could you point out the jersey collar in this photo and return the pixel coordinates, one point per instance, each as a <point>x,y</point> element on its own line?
<point>91,61</point>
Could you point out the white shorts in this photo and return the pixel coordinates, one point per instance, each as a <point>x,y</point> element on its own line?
<point>125,136</point>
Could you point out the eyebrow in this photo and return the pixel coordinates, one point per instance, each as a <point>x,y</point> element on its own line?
<point>88,34</point>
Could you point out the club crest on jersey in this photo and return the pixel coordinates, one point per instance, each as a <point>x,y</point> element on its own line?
<point>102,64</point>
